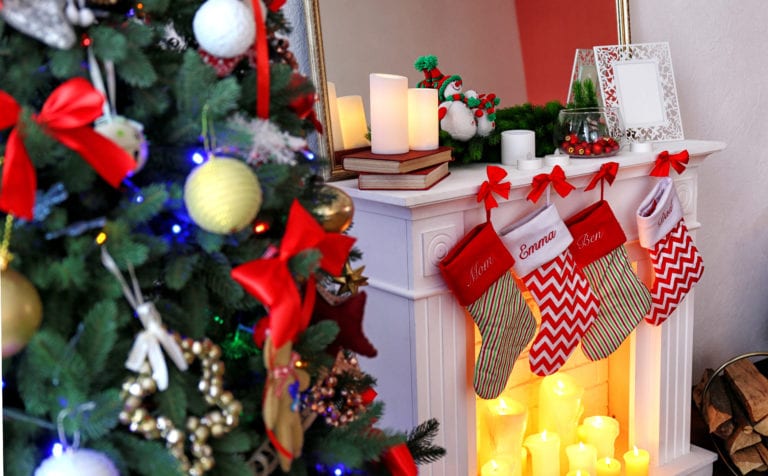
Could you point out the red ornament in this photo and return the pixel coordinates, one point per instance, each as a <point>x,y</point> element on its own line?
<point>597,148</point>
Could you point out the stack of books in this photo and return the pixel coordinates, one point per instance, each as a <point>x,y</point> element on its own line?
<point>413,170</point>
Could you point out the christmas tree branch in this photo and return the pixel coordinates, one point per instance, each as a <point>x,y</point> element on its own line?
<point>12,414</point>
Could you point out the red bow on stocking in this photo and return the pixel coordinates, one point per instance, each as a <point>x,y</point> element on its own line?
<point>556,178</point>
<point>665,160</point>
<point>270,281</point>
<point>491,186</point>
<point>66,116</point>
<point>607,173</point>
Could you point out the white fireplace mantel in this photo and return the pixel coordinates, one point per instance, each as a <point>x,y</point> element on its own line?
<point>425,341</point>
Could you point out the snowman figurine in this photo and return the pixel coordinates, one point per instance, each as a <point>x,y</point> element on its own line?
<point>456,116</point>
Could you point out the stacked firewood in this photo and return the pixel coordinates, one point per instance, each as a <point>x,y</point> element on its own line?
<point>735,408</point>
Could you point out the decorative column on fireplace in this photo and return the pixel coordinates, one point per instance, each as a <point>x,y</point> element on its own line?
<point>426,342</point>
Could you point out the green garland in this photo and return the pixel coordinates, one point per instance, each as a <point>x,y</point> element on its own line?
<point>538,118</point>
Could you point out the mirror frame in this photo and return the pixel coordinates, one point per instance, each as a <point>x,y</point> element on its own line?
<point>334,170</point>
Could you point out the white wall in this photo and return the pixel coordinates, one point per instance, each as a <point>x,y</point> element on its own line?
<point>721,72</point>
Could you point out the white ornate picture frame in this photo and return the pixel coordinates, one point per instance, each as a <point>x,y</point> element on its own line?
<point>583,68</point>
<point>639,80</point>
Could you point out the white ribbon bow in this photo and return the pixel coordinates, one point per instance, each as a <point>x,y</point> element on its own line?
<point>150,342</point>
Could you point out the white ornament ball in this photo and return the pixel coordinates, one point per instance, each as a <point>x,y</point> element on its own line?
<point>77,463</point>
<point>224,28</point>
<point>128,135</point>
<point>222,195</point>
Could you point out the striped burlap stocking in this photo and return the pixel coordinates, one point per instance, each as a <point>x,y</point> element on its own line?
<point>476,270</point>
<point>539,244</point>
<point>677,263</point>
<point>598,250</point>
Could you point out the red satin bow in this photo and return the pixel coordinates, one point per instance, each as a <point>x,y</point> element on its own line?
<point>493,185</point>
<point>66,116</point>
<point>399,461</point>
<point>270,281</point>
<point>556,178</point>
<point>607,172</point>
<point>262,64</point>
<point>665,160</point>
<point>304,105</point>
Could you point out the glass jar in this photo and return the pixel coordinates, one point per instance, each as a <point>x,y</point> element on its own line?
<point>590,132</point>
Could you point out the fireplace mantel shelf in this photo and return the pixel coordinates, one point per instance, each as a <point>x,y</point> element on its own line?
<point>426,342</point>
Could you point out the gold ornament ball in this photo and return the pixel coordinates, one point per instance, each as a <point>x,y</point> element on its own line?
<point>336,214</point>
<point>222,195</point>
<point>22,311</point>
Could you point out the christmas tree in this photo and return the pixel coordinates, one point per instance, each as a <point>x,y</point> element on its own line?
<point>180,294</point>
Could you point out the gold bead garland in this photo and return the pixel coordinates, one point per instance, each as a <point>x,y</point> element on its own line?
<point>215,423</point>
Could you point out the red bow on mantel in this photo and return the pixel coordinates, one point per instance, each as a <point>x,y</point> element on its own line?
<point>556,178</point>
<point>66,116</point>
<point>665,160</point>
<point>491,186</point>
<point>270,281</point>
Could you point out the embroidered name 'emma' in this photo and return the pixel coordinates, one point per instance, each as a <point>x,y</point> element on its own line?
<point>478,269</point>
<point>588,239</point>
<point>527,250</point>
<point>665,214</point>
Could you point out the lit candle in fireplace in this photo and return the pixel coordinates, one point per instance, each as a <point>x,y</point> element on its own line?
<point>545,453</point>
<point>600,431</point>
<point>581,457</point>
<point>496,467</point>
<point>636,462</point>
<point>608,467</point>
<point>560,408</point>
<point>507,425</point>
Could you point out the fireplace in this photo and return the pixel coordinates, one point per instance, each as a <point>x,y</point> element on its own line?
<point>426,342</point>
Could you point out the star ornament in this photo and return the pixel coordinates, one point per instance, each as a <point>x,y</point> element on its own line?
<point>349,316</point>
<point>351,279</point>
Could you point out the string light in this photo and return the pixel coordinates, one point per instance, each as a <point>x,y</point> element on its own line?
<point>57,450</point>
<point>176,228</point>
<point>198,158</point>
<point>101,238</point>
<point>260,227</point>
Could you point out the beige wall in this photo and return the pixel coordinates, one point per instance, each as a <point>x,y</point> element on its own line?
<point>479,43</point>
<point>718,52</point>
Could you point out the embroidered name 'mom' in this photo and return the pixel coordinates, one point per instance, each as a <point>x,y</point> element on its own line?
<point>478,269</point>
<point>527,250</point>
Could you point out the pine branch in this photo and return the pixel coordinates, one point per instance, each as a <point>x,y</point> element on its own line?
<point>420,442</point>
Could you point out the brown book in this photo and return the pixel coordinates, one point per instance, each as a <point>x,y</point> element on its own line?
<point>367,161</point>
<point>421,179</point>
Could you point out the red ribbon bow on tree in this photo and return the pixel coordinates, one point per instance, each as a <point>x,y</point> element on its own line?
<point>556,178</point>
<point>66,116</point>
<point>304,104</point>
<point>665,160</point>
<point>270,281</point>
<point>491,186</point>
<point>399,461</point>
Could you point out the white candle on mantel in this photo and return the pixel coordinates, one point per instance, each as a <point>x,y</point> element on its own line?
<point>333,110</point>
<point>423,123</point>
<point>389,114</point>
<point>352,121</point>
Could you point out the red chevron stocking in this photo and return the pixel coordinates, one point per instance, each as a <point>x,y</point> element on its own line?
<point>477,272</point>
<point>676,261</point>
<point>598,250</point>
<point>539,244</point>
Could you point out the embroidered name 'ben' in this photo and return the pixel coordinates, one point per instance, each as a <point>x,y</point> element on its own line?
<point>588,239</point>
<point>527,250</point>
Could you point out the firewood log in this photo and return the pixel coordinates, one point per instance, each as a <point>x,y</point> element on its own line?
<point>747,459</point>
<point>752,387</point>
<point>743,434</point>
<point>715,406</point>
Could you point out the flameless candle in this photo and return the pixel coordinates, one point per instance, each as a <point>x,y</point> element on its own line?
<point>582,457</point>
<point>333,110</point>
<point>608,467</point>
<point>496,467</point>
<point>352,121</point>
<point>423,123</point>
<point>600,431</point>
<point>545,453</point>
<point>507,423</point>
<point>523,462</point>
<point>578,472</point>
<point>560,408</point>
<point>636,462</point>
<point>389,114</point>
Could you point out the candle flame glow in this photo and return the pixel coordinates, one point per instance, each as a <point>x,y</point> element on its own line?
<point>637,453</point>
<point>544,436</point>
<point>607,460</point>
<point>503,406</point>
<point>494,464</point>
<point>581,445</point>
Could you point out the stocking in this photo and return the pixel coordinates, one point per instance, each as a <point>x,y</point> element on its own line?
<point>476,270</point>
<point>598,250</point>
<point>677,263</point>
<point>539,244</point>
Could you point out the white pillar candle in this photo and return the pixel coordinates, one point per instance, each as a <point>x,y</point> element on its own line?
<point>333,112</point>
<point>601,432</point>
<point>423,123</point>
<point>582,457</point>
<point>352,121</point>
<point>496,467</point>
<point>518,145</point>
<point>507,423</point>
<point>389,114</point>
<point>545,453</point>
<point>560,407</point>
